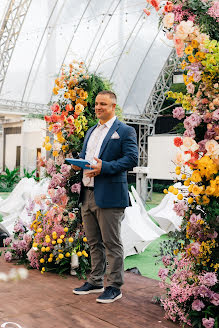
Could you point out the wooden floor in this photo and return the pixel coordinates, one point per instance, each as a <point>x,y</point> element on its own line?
<point>46,301</point>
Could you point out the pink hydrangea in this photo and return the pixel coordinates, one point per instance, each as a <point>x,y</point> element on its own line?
<point>192,121</point>
<point>8,256</point>
<point>208,323</point>
<point>214,299</point>
<point>213,11</point>
<point>189,133</point>
<point>19,227</point>
<point>197,305</point>
<point>178,113</point>
<point>57,180</point>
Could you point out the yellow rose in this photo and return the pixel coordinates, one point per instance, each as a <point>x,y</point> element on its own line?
<point>48,146</point>
<point>59,241</point>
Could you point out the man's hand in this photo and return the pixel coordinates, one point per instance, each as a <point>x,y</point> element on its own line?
<point>76,168</point>
<point>96,168</point>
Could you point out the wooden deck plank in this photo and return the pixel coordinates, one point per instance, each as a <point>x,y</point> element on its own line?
<point>47,301</point>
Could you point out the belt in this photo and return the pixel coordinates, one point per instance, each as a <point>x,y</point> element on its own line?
<point>88,188</point>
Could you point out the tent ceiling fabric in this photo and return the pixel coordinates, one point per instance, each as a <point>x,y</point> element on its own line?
<point>113,37</point>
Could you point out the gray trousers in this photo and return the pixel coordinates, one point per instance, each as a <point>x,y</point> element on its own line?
<point>103,231</point>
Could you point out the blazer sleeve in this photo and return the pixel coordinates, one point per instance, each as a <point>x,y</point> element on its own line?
<point>129,158</point>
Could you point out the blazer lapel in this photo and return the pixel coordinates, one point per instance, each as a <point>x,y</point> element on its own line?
<point>113,128</point>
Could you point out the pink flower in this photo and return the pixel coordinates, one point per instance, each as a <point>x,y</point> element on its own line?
<point>168,20</point>
<point>190,88</point>
<point>8,256</point>
<point>204,291</point>
<point>7,241</point>
<point>195,248</point>
<point>147,12</point>
<point>197,305</point>
<point>189,133</point>
<point>163,273</point>
<point>65,170</point>
<point>56,128</point>
<point>180,208</point>
<point>213,11</point>
<point>166,260</point>
<point>215,115</point>
<point>208,323</point>
<point>184,29</point>
<point>215,299</point>
<point>76,188</point>
<point>19,227</point>
<point>55,108</point>
<point>192,121</point>
<point>178,113</point>
<point>169,35</point>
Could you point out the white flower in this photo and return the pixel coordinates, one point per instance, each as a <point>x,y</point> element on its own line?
<point>3,276</point>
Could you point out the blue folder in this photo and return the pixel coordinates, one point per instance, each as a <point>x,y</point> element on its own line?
<point>79,162</point>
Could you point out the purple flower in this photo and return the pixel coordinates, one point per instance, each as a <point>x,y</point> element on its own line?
<point>204,291</point>
<point>208,323</point>
<point>215,299</point>
<point>8,256</point>
<point>178,113</point>
<point>76,188</point>
<point>209,279</point>
<point>197,305</point>
<point>213,235</point>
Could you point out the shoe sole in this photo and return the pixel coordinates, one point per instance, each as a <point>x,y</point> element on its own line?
<point>109,301</point>
<point>93,291</point>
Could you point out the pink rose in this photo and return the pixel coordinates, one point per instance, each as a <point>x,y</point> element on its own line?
<point>208,323</point>
<point>197,305</point>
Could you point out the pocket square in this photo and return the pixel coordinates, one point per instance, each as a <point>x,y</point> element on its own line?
<point>115,136</point>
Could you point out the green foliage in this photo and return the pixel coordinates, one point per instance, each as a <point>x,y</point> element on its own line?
<point>9,179</point>
<point>29,175</point>
<point>176,87</point>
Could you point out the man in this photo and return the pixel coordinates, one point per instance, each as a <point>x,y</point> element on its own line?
<point>104,195</point>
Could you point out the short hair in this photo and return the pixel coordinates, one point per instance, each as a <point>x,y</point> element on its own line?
<point>110,93</point>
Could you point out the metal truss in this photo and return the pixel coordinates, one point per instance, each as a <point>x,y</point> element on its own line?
<point>22,108</point>
<point>9,33</point>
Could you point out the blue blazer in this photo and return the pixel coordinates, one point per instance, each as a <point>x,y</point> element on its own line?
<point>118,156</point>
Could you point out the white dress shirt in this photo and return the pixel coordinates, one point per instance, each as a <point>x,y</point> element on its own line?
<point>93,147</point>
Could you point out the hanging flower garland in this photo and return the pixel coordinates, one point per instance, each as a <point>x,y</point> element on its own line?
<point>190,276</point>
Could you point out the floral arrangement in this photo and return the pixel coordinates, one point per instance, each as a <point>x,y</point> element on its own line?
<point>56,228</point>
<point>190,273</point>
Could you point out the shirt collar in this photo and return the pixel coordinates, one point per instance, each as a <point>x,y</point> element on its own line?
<point>109,123</point>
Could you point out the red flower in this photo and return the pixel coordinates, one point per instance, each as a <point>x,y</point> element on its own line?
<point>69,107</point>
<point>47,118</point>
<point>147,12</point>
<point>178,141</point>
<point>168,7</point>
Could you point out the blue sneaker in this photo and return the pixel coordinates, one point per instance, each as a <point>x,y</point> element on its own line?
<point>87,288</point>
<point>111,294</point>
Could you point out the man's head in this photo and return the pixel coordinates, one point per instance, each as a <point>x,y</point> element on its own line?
<point>105,105</point>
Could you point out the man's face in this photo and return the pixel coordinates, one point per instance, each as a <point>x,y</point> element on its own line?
<point>104,108</point>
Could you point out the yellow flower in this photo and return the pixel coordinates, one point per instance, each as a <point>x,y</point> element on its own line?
<point>196,177</point>
<point>189,50</point>
<point>47,249</point>
<point>66,229</point>
<point>47,139</point>
<point>70,240</point>
<point>183,177</point>
<point>67,254</point>
<point>61,256</point>
<point>65,147</point>
<point>85,239</point>
<point>62,236</point>
<point>66,95</point>
<point>48,146</point>
<point>176,251</point>
<point>50,259</point>
<point>171,188</point>
<point>180,196</point>
<point>48,240</point>
<point>39,230</point>
<point>190,188</point>
<point>51,255</point>
<point>175,191</point>
<point>183,64</point>
<point>42,260</point>
<point>191,59</point>
<point>43,269</point>
<point>190,200</point>
<point>165,191</point>
<point>79,254</point>
<point>35,244</point>
<point>196,190</point>
<point>59,241</point>
<point>79,109</point>
<point>205,200</point>
<point>209,191</point>
<point>55,90</point>
<point>43,249</point>
<point>50,127</point>
<point>194,44</point>
<point>187,182</point>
